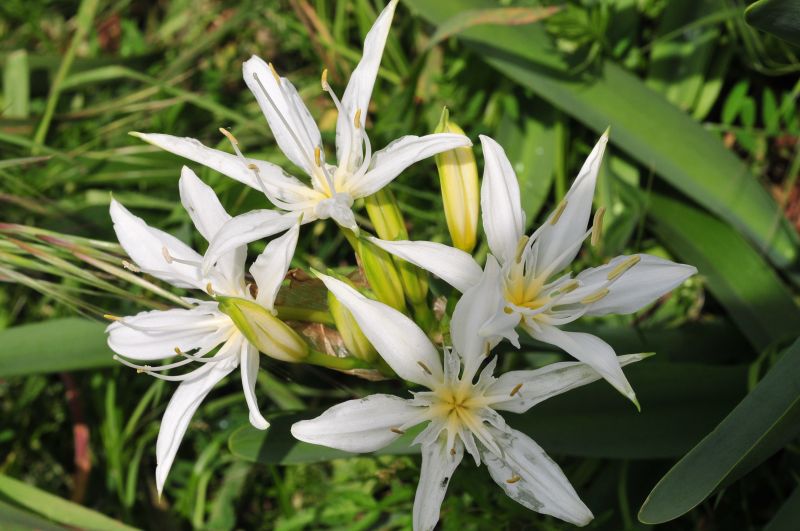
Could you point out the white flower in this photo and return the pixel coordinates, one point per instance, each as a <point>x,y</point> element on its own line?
<point>461,412</point>
<point>358,172</point>
<point>534,291</point>
<point>190,334</point>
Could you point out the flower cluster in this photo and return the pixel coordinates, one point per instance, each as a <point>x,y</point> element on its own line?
<point>525,284</point>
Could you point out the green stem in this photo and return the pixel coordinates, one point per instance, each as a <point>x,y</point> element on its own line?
<point>293,313</point>
<point>321,359</point>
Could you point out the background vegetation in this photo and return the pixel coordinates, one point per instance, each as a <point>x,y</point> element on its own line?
<point>702,168</point>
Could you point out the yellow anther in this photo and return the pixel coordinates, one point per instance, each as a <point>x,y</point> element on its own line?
<point>508,310</point>
<point>324,79</point>
<point>274,73</point>
<point>594,297</point>
<point>397,431</point>
<point>209,289</point>
<point>229,136</point>
<point>569,287</point>
<point>513,479</point>
<point>424,367</point>
<point>178,351</point>
<point>253,167</point>
<point>130,267</point>
<point>624,266</point>
<point>111,317</point>
<point>597,226</point>
<point>453,450</point>
<point>165,252</point>
<point>557,214</point>
<point>523,241</point>
<point>516,389</point>
<point>357,119</point>
<point>318,156</point>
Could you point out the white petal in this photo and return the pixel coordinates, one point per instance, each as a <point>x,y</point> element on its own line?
<point>155,335</point>
<point>503,218</point>
<point>271,266</point>
<point>398,340</point>
<point>389,162</point>
<point>145,245</point>
<point>542,486</point>
<point>244,229</point>
<point>359,91</point>
<point>438,466</point>
<point>289,119</point>
<point>592,351</point>
<point>277,182</point>
<point>531,387</point>
<point>555,239</point>
<point>181,407</point>
<point>249,363</point>
<point>637,287</point>
<point>452,265</point>
<point>363,425</point>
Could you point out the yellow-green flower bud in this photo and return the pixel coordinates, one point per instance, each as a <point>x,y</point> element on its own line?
<point>353,338</point>
<point>458,176</point>
<point>381,273</point>
<point>263,330</point>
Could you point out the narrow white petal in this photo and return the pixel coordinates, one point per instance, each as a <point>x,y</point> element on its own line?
<point>503,218</point>
<point>389,162</point>
<point>438,466</point>
<point>452,265</point>
<point>518,391</point>
<point>363,425</point>
<point>398,340</point>
<point>244,229</point>
<point>249,363</point>
<point>529,477</point>
<point>271,266</point>
<point>155,335</point>
<point>590,350</point>
<point>634,289</point>
<point>289,119</point>
<point>277,182</point>
<point>181,408</point>
<point>556,238</point>
<point>359,90</point>
<point>146,247</point>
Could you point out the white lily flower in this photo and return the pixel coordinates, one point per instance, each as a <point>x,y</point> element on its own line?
<point>334,187</point>
<point>190,334</point>
<point>535,289</point>
<point>462,413</point>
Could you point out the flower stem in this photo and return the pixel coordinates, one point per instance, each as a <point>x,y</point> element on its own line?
<point>294,313</point>
<point>321,359</point>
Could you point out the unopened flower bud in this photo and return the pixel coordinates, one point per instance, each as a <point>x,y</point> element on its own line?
<point>458,176</point>
<point>382,275</point>
<point>263,330</point>
<point>353,338</point>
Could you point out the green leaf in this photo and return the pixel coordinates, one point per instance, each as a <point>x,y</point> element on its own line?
<point>680,403</point>
<point>16,85</point>
<point>55,508</point>
<point>778,17</point>
<point>56,345</point>
<point>766,420</point>
<point>502,16</point>
<point>643,124</point>
<point>16,519</point>
<point>788,515</point>
<point>738,277</point>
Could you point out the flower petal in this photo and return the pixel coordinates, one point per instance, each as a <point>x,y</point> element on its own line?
<point>389,162</point>
<point>398,340</point>
<point>278,184</point>
<point>590,350</point>
<point>146,246</point>
<point>528,476</point>
<point>555,239</point>
<point>289,119</point>
<point>452,265</point>
<point>363,425</point>
<point>271,266</point>
<point>155,335</point>
<point>248,364</point>
<point>184,402</point>
<point>244,229</point>
<point>503,218</point>
<point>518,391</point>
<point>438,466</point>
<point>634,289</point>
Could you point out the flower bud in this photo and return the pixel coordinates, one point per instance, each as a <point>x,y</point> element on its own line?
<point>458,176</point>
<point>382,275</point>
<point>263,330</point>
<point>353,338</point>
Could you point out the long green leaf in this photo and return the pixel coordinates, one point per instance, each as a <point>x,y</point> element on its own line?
<point>680,403</point>
<point>779,17</point>
<point>57,345</point>
<point>762,423</point>
<point>55,508</point>
<point>788,515</point>
<point>13,519</point>
<point>643,124</point>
